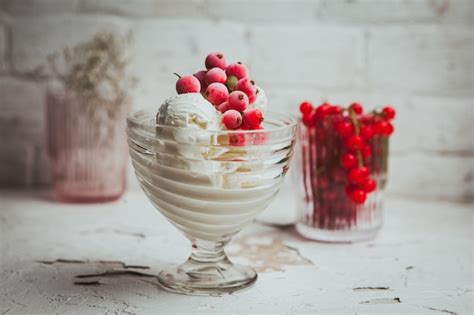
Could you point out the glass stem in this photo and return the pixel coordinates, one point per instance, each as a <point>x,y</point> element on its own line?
<point>205,252</point>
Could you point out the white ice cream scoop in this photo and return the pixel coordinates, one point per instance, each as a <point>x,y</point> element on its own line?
<point>190,118</point>
<point>190,110</point>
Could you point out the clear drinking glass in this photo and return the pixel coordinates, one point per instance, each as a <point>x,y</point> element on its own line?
<point>326,212</point>
<point>209,189</point>
<point>87,147</point>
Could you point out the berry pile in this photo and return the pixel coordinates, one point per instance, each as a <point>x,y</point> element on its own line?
<point>229,89</point>
<point>356,130</point>
<point>344,152</point>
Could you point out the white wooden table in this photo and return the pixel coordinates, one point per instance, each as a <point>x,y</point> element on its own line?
<point>420,263</point>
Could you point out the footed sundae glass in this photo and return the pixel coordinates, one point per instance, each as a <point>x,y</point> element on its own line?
<point>209,184</point>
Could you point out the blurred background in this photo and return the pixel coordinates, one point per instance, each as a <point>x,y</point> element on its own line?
<point>415,55</point>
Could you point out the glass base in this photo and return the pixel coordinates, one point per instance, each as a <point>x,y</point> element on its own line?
<point>80,194</point>
<point>337,236</point>
<point>194,278</point>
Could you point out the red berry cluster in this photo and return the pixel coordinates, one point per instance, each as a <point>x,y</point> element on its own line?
<point>354,131</point>
<point>228,88</point>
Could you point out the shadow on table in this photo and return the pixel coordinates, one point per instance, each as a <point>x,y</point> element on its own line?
<point>96,278</point>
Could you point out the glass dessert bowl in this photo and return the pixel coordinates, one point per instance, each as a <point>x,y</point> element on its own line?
<point>209,184</point>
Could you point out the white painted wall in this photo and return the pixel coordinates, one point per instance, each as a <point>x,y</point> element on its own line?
<point>416,55</point>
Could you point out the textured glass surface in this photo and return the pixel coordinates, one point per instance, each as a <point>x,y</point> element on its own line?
<point>87,148</point>
<point>209,184</point>
<point>326,212</point>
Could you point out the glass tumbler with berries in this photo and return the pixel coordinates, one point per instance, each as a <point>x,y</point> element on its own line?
<point>343,155</point>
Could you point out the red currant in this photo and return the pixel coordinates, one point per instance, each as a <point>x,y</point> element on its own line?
<point>323,183</point>
<point>354,142</point>
<point>322,111</point>
<point>389,129</point>
<point>365,171</point>
<point>366,151</point>
<point>344,129</point>
<point>306,108</point>
<point>335,110</point>
<point>380,127</point>
<point>252,117</point>
<point>357,108</point>
<point>339,176</point>
<point>369,185</point>
<point>389,112</point>
<point>357,195</point>
<point>366,119</point>
<point>358,175</point>
<point>308,119</point>
<point>348,160</point>
<point>238,139</point>
<point>366,132</point>
<point>232,119</point>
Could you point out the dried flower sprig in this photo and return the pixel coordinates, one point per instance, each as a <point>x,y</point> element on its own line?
<point>96,70</point>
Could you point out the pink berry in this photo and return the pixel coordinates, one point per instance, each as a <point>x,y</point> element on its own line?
<point>200,75</point>
<point>237,70</point>
<point>252,98</point>
<point>253,118</point>
<point>238,100</point>
<point>248,87</point>
<point>216,60</point>
<point>231,119</point>
<point>257,137</point>
<point>223,107</point>
<point>188,84</point>
<point>238,139</point>
<point>215,75</point>
<point>243,139</point>
<point>217,93</point>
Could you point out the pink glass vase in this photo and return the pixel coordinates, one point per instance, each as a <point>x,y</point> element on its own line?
<point>87,147</point>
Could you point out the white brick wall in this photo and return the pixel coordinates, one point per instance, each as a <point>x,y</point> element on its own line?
<point>3,48</point>
<point>416,55</point>
<point>34,39</point>
<point>166,46</point>
<point>432,176</point>
<point>431,59</point>
<point>396,12</point>
<point>22,126</point>
<point>303,55</point>
<point>34,8</point>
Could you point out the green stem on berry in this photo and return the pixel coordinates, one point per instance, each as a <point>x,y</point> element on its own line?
<point>179,77</point>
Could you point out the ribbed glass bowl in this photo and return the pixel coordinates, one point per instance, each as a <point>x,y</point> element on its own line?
<point>209,184</point>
